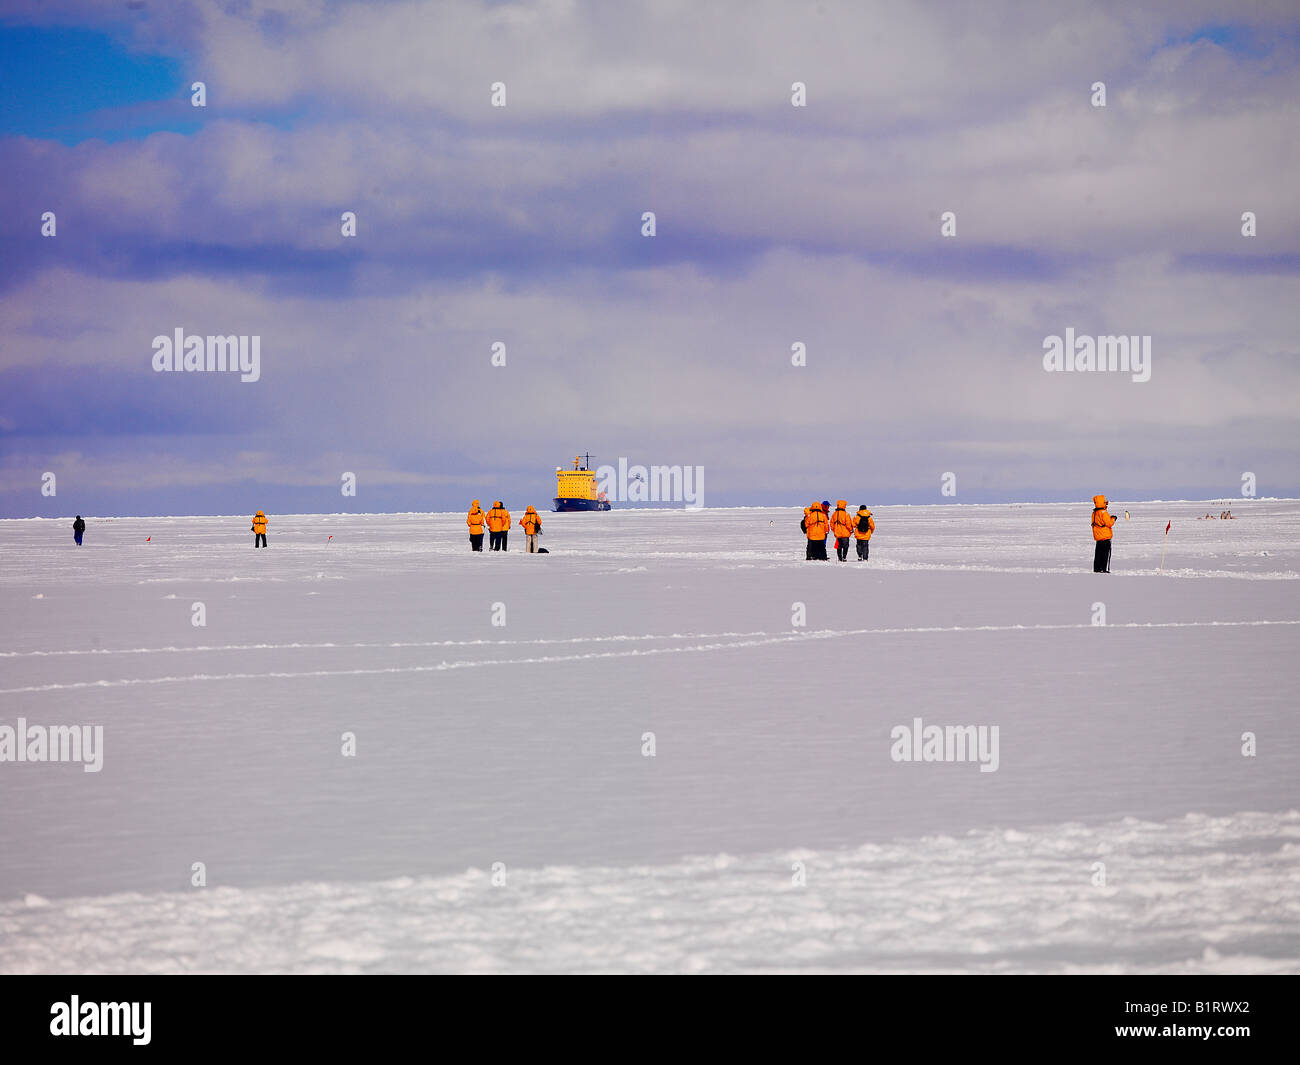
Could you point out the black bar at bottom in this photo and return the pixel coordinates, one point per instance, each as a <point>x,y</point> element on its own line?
<point>338,1014</point>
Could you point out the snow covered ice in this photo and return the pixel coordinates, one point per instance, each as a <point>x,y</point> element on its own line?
<point>770,831</point>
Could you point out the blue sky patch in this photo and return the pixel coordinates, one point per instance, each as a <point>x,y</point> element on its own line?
<point>70,84</point>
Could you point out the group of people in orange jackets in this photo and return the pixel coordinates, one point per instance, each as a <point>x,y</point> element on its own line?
<point>497,521</point>
<point>819,521</point>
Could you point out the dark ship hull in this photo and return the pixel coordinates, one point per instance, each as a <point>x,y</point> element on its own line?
<point>561,504</point>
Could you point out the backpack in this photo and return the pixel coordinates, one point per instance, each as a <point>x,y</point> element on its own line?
<point>862,523</point>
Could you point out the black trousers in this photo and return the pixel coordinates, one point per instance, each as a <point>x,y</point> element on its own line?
<point>816,549</point>
<point>494,540</point>
<point>841,547</point>
<point>476,541</point>
<point>1101,558</point>
<point>504,534</point>
<point>77,536</point>
<point>259,539</point>
<point>864,549</point>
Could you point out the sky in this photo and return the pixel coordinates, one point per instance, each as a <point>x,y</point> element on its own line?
<point>522,225</point>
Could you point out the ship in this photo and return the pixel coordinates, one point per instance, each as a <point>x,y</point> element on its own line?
<point>575,489</point>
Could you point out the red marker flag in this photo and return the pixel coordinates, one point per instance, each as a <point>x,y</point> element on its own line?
<point>1167,528</point>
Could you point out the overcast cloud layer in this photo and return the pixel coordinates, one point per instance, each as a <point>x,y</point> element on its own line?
<point>775,225</point>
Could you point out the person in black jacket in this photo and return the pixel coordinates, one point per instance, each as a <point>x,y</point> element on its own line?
<point>78,527</point>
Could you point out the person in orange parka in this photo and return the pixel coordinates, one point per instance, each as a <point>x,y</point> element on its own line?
<point>498,523</point>
<point>531,523</point>
<point>815,524</point>
<point>864,526</point>
<point>259,529</point>
<point>842,527</point>
<point>1102,520</point>
<point>475,519</point>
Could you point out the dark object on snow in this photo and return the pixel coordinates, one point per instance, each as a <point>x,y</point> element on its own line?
<point>543,551</point>
<point>78,527</point>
